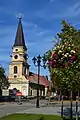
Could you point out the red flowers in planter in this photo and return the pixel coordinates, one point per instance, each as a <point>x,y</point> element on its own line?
<point>62,57</point>
<point>72,58</point>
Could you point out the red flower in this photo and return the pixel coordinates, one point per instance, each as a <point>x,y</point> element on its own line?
<point>70,60</point>
<point>54,55</point>
<point>54,61</point>
<point>54,65</point>
<point>50,62</point>
<point>73,57</point>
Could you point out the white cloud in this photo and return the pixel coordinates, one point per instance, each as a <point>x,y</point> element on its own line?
<point>72,11</point>
<point>29,25</point>
<point>76,23</point>
<point>64,12</point>
<point>40,33</point>
<point>43,32</point>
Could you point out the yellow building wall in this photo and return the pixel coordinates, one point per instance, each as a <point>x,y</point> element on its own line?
<point>11,70</point>
<point>19,53</point>
<point>19,82</point>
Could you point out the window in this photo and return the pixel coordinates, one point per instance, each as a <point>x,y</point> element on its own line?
<point>15,76</point>
<point>15,69</point>
<point>24,70</point>
<point>16,49</point>
<point>15,56</point>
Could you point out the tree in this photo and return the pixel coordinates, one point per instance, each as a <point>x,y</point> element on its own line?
<point>64,59</point>
<point>3,79</point>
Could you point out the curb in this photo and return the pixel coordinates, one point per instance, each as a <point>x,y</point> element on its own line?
<point>3,103</point>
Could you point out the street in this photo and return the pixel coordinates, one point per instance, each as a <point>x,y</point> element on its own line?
<point>54,109</point>
<point>30,107</point>
<point>13,107</point>
<point>10,108</point>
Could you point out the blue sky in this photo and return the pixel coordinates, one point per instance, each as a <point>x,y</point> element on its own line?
<point>41,22</point>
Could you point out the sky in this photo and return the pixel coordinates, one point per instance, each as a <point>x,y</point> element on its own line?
<point>41,20</point>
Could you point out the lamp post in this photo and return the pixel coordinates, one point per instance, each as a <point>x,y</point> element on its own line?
<point>71,106</point>
<point>37,63</point>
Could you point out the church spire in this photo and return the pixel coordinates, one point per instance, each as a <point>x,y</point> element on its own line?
<point>19,39</point>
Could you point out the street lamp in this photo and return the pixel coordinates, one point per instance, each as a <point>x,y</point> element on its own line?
<point>37,63</point>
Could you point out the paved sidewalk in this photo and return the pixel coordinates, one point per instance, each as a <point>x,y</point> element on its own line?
<point>28,107</point>
<point>50,110</point>
<point>43,110</point>
<point>41,103</point>
<point>7,108</point>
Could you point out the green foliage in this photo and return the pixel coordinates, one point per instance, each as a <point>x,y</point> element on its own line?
<point>67,32</point>
<point>3,80</point>
<point>64,59</point>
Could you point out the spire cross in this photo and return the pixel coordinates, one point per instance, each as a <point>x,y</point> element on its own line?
<point>20,16</point>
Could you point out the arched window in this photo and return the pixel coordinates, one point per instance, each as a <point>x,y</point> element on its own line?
<point>24,70</point>
<point>15,69</point>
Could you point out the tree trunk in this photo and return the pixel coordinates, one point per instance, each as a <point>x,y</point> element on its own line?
<point>59,98</point>
<point>61,107</point>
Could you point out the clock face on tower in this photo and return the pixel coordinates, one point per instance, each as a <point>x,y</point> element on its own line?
<point>16,56</point>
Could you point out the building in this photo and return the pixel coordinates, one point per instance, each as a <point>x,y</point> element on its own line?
<point>19,75</point>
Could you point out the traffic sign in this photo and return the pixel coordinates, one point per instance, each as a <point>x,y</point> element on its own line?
<point>19,93</point>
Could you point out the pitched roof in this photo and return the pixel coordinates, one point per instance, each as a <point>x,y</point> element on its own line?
<point>19,39</point>
<point>33,78</point>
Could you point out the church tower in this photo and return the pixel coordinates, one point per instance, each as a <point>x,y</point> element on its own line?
<point>19,67</point>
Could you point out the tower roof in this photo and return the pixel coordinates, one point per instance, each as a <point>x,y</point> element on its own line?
<point>19,39</point>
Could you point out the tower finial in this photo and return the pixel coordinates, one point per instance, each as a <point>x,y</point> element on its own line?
<point>20,16</point>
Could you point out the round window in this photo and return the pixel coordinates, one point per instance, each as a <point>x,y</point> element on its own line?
<point>15,56</point>
<point>16,49</point>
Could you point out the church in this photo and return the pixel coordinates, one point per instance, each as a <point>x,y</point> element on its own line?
<point>19,75</point>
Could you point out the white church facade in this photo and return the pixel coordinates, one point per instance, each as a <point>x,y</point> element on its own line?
<point>19,75</point>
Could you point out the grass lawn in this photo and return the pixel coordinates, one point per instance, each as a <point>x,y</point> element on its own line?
<point>30,117</point>
<point>33,117</point>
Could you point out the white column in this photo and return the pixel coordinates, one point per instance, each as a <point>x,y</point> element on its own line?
<point>42,92</point>
<point>45,91</point>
